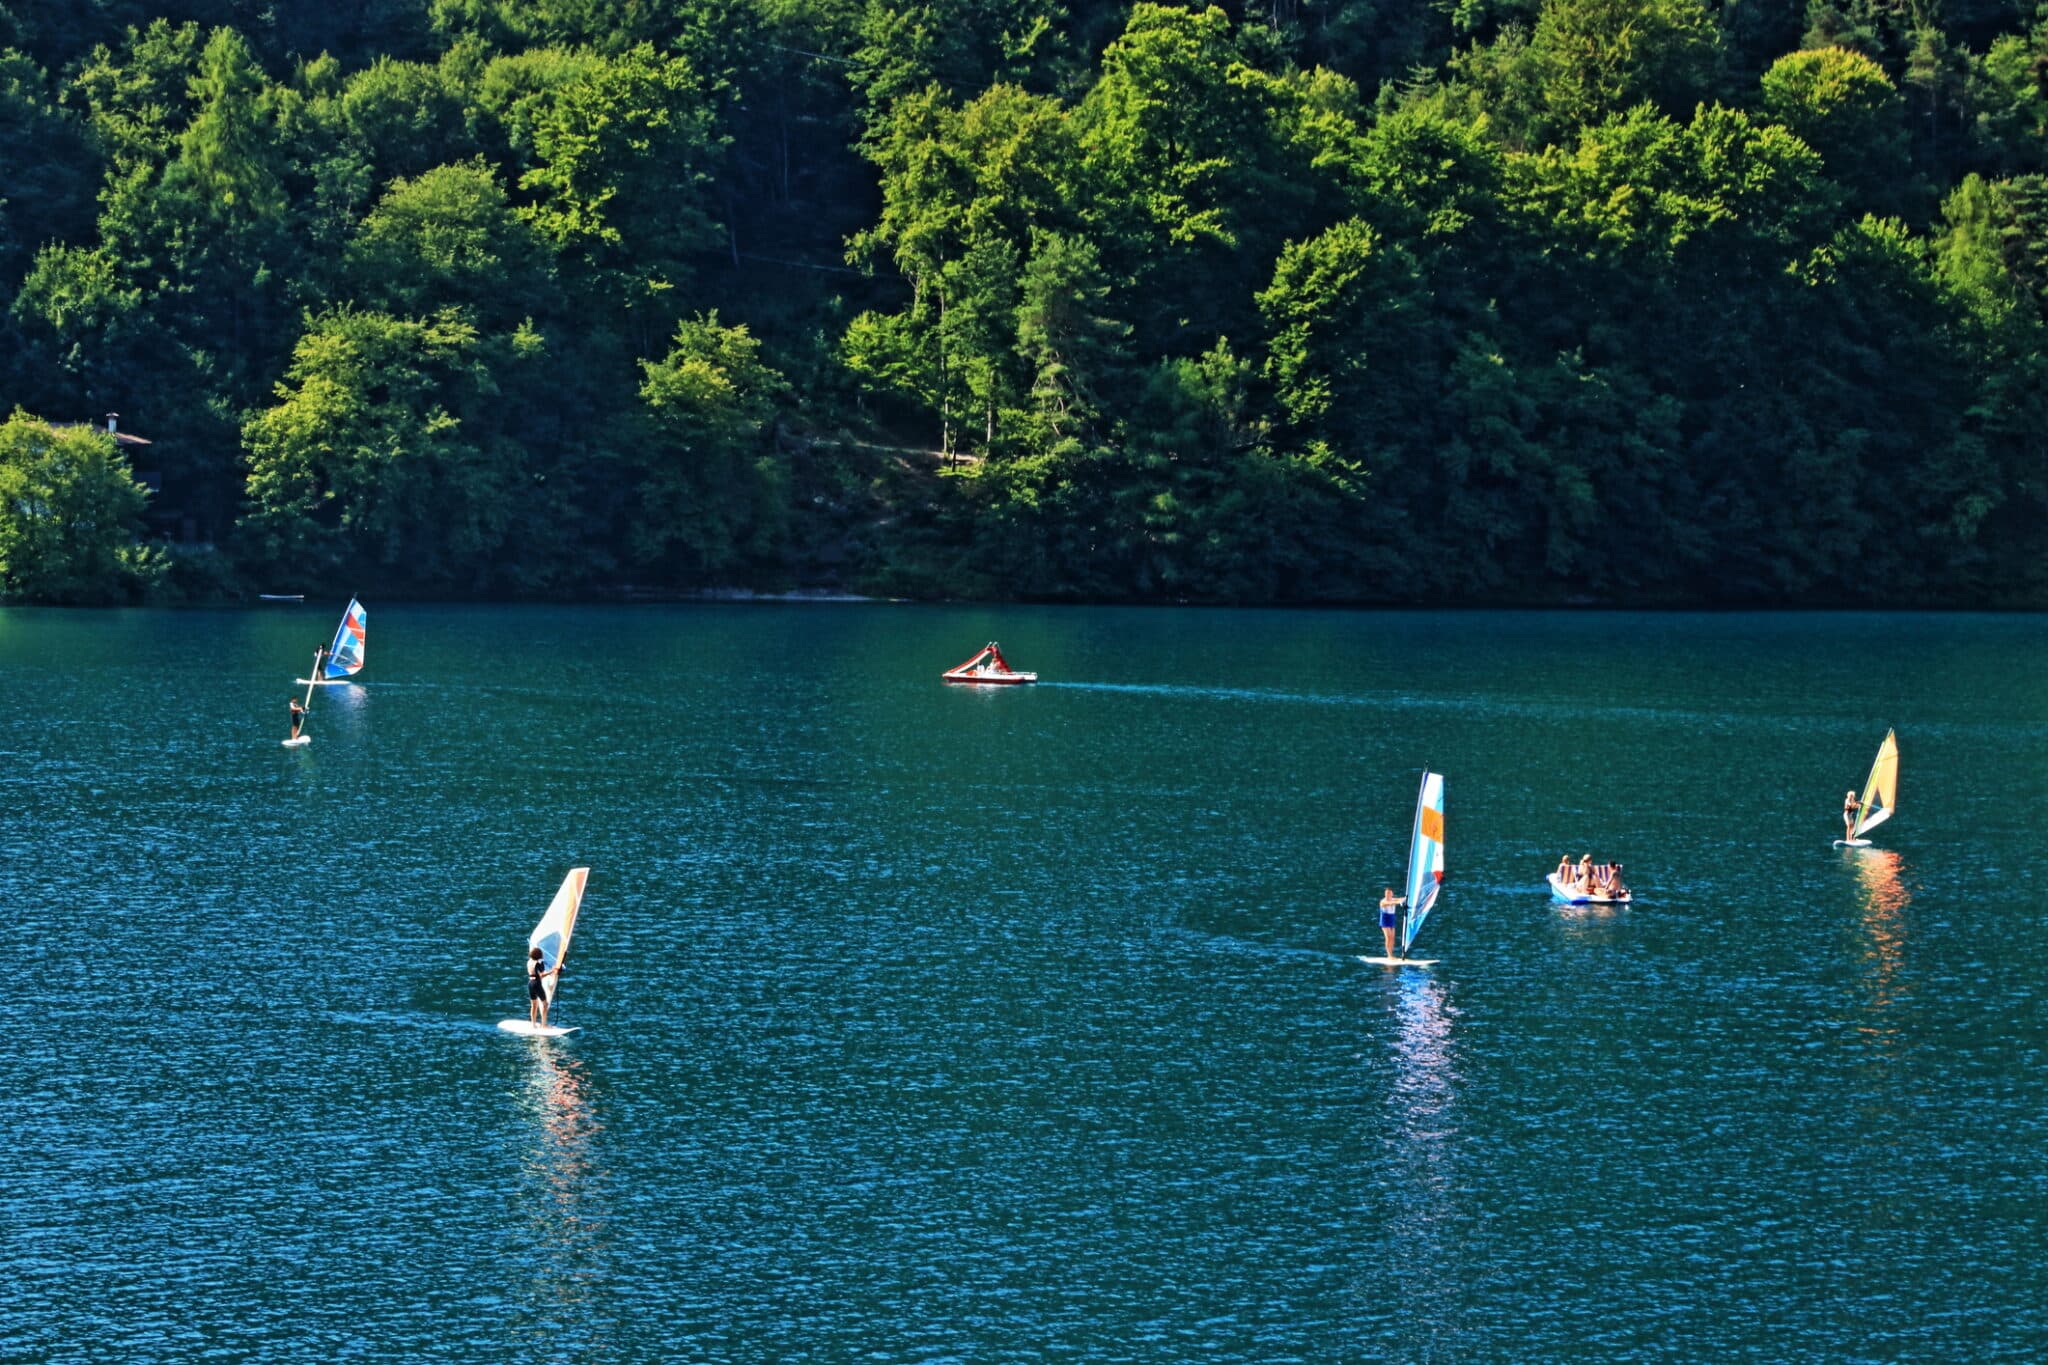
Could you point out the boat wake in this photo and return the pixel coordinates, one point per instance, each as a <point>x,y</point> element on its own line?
<point>1227,693</point>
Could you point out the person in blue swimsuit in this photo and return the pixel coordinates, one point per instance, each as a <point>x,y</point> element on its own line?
<point>1390,916</point>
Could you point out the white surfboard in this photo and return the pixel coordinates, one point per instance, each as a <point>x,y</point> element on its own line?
<point>526,1028</point>
<point>295,743</point>
<point>327,682</point>
<point>1402,961</point>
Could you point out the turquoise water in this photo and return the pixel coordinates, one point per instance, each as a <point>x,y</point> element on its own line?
<point>923,1023</point>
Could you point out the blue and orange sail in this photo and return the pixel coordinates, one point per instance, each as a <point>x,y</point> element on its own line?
<point>345,655</point>
<point>1425,857</point>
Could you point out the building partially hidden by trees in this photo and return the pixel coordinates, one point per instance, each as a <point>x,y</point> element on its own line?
<point>71,516</point>
<point>170,515</point>
<point>1333,300</point>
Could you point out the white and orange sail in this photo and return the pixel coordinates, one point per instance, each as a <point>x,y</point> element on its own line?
<point>557,927</point>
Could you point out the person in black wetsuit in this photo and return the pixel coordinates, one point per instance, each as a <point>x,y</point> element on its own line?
<point>298,717</point>
<point>537,987</point>
<point>1850,805</point>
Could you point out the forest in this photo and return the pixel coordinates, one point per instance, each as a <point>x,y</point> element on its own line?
<point>1660,302</point>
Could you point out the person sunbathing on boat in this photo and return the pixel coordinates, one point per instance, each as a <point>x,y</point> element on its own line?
<point>1564,870</point>
<point>1583,881</point>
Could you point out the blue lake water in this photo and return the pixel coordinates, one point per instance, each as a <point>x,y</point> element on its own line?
<point>923,1023</point>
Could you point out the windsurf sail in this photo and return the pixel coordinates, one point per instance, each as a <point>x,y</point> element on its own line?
<point>557,926</point>
<point>1425,857</point>
<point>345,655</point>
<point>1881,791</point>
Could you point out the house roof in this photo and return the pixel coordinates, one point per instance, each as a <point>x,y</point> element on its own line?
<point>121,438</point>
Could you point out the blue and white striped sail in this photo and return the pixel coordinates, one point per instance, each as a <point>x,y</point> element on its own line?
<point>345,655</point>
<point>1425,857</point>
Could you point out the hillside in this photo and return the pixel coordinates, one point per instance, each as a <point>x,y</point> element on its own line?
<point>1645,301</point>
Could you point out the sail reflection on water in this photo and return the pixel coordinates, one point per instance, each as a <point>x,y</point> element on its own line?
<point>1883,898</point>
<point>1422,1207</point>
<point>563,1196</point>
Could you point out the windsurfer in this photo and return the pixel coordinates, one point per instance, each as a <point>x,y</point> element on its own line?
<point>1849,807</point>
<point>1390,916</point>
<point>537,987</point>
<point>298,717</point>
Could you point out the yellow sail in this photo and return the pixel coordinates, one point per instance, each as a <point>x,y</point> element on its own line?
<point>1881,792</point>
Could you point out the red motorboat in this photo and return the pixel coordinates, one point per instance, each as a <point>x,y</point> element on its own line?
<point>988,666</point>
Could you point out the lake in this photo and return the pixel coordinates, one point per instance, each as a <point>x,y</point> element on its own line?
<point>923,1023</point>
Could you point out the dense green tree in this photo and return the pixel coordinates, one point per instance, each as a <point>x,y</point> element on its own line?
<point>626,156</point>
<point>709,490</point>
<point>407,116</point>
<point>451,237</point>
<point>382,451</point>
<point>1842,105</point>
<point>70,517</point>
<point>1310,299</point>
<point>47,174</point>
<point>227,161</point>
<point>1601,57</point>
<point>2009,97</point>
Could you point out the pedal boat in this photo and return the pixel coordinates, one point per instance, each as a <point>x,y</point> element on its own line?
<point>987,668</point>
<point>1562,893</point>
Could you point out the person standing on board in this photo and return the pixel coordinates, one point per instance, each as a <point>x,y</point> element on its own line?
<point>1850,805</point>
<point>298,717</point>
<point>1390,916</point>
<point>537,987</point>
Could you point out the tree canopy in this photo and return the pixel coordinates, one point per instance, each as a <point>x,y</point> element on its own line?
<point>1653,301</point>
